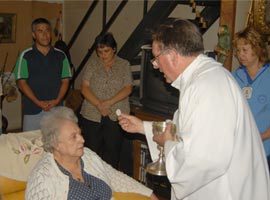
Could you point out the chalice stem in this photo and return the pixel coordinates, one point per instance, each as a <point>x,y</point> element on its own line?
<point>161,152</point>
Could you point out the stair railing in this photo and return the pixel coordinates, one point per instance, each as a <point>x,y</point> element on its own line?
<point>104,30</point>
<point>104,18</point>
<point>105,26</point>
<point>81,25</point>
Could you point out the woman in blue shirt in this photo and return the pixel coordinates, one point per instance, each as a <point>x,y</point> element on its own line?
<point>253,76</point>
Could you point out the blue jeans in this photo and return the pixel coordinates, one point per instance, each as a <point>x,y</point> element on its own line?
<point>32,122</point>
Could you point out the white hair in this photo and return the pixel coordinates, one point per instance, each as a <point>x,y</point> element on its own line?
<point>52,122</point>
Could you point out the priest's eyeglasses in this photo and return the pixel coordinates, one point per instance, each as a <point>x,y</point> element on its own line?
<point>154,61</point>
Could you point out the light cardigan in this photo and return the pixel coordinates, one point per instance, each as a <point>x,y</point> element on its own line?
<point>46,181</point>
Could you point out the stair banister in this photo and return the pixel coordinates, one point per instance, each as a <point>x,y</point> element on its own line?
<point>104,30</point>
<point>81,25</point>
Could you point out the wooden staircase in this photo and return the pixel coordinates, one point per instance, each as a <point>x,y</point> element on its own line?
<point>157,14</point>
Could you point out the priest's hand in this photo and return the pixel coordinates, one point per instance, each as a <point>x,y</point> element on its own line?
<point>166,135</point>
<point>131,123</point>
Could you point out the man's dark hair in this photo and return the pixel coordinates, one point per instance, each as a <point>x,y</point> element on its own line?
<point>181,35</point>
<point>39,21</point>
<point>106,39</point>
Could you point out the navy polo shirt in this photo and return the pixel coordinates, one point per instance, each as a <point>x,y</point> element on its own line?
<point>43,74</point>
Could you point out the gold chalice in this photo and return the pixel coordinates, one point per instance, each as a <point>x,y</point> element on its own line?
<point>158,167</point>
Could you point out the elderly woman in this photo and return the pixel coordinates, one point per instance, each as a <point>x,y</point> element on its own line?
<point>106,85</point>
<point>70,171</point>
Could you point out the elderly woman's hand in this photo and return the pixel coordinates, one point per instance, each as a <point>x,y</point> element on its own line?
<point>153,197</point>
<point>266,134</point>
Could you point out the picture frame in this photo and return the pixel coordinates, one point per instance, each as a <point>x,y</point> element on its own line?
<point>8,27</point>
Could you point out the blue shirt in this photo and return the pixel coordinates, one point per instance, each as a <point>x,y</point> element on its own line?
<point>259,101</point>
<point>92,188</point>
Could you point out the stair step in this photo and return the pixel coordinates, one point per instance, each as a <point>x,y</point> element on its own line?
<point>136,75</point>
<point>135,61</point>
<point>201,2</point>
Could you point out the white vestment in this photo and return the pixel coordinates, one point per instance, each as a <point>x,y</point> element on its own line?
<point>221,156</point>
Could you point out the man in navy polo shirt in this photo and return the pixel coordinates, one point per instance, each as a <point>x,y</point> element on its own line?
<point>42,73</point>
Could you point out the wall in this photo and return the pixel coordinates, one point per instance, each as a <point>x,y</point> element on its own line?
<point>26,11</point>
<point>242,9</point>
<point>123,26</point>
<point>74,11</point>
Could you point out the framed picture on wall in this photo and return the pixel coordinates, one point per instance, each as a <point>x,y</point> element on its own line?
<point>7,28</point>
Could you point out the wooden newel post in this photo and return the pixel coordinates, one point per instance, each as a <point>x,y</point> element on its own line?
<point>227,17</point>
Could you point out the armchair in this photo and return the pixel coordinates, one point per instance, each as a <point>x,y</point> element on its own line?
<point>19,152</point>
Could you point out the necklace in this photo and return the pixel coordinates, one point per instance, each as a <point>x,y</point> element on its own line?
<point>79,179</point>
<point>73,175</point>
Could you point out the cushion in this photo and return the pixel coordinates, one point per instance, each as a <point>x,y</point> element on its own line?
<point>8,185</point>
<point>19,153</point>
<point>129,196</point>
<point>14,196</point>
